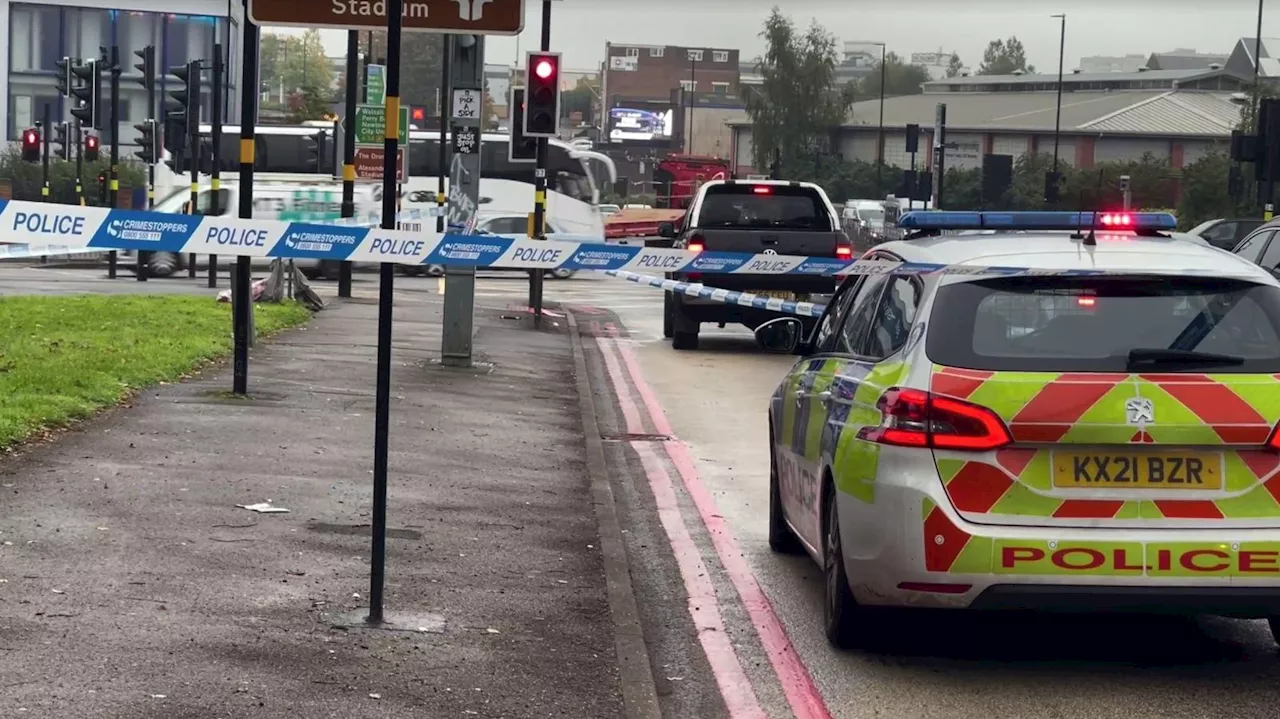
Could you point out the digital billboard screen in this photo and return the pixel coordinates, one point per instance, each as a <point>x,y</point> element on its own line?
<point>641,123</point>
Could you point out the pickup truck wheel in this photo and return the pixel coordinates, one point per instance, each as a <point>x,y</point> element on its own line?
<point>668,316</point>
<point>684,340</point>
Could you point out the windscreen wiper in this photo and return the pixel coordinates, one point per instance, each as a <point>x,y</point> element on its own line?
<point>1157,355</point>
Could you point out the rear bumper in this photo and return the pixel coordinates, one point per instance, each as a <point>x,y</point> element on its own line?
<point>907,546</point>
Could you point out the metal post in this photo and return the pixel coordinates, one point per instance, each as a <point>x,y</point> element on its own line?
<point>193,147</point>
<point>142,268</point>
<point>79,140</point>
<point>442,151</point>
<point>1257,63</point>
<point>241,302</point>
<point>215,138</point>
<point>387,274</point>
<point>1057,121</point>
<point>466,69</point>
<point>113,175</point>
<point>939,153</point>
<point>45,130</point>
<point>880,128</point>
<point>693,97</point>
<point>540,187</point>
<point>349,149</point>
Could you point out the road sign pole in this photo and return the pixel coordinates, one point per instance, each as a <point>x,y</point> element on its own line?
<point>241,302</point>
<point>349,150</point>
<point>46,139</point>
<point>467,68</point>
<point>215,138</point>
<point>386,279</point>
<point>540,187</point>
<point>446,52</point>
<point>114,174</point>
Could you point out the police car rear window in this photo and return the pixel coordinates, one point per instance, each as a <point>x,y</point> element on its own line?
<point>1116,324</point>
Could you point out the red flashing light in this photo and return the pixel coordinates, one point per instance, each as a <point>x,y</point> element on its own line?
<point>91,142</point>
<point>915,418</point>
<point>544,69</point>
<point>418,114</point>
<point>1118,219</point>
<point>1086,301</point>
<point>32,137</point>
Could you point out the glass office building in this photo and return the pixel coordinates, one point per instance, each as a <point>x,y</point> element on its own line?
<point>41,33</point>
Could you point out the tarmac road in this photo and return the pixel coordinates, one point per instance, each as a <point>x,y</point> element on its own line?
<point>946,665</point>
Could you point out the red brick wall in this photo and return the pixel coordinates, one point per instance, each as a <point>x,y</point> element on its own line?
<point>656,77</point>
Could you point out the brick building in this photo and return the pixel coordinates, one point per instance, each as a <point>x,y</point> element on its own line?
<point>653,72</point>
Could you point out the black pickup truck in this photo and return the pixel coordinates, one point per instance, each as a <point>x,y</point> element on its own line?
<point>760,217</point>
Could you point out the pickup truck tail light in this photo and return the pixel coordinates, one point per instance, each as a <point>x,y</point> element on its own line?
<point>844,248</point>
<point>696,244</point>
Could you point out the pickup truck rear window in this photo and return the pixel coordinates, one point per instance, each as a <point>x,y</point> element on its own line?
<point>779,207</point>
<point>1120,324</point>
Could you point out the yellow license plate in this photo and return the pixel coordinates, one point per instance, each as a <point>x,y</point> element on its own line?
<point>775,294</point>
<point>1138,470</point>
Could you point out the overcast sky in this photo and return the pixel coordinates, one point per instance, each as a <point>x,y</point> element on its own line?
<point>1094,27</point>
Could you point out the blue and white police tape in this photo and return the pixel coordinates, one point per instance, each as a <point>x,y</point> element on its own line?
<point>728,297</point>
<point>98,228</point>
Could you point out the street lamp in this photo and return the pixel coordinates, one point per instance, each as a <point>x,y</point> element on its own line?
<point>1057,121</point>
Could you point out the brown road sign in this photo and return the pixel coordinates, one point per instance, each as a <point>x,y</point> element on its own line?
<point>368,163</point>
<point>472,17</point>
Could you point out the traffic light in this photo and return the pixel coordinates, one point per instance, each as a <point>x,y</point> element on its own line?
<point>147,141</point>
<point>60,132</point>
<point>316,150</point>
<point>89,93</point>
<point>542,112</point>
<point>521,148</point>
<point>102,188</point>
<point>186,111</point>
<point>1051,186</point>
<point>31,144</point>
<point>91,144</point>
<point>147,67</point>
<point>65,79</point>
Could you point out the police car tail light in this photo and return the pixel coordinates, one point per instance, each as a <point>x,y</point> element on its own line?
<point>915,418</point>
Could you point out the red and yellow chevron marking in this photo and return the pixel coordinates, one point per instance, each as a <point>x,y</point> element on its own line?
<point>948,548</point>
<point>1079,408</point>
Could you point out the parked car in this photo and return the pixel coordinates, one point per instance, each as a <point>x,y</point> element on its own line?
<point>1261,247</point>
<point>1225,233</point>
<point>863,221</point>
<point>505,223</point>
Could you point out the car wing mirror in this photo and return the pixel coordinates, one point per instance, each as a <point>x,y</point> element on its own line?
<point>784,335</point>
<point>666,229</point>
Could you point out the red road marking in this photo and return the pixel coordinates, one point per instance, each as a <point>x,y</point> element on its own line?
<point>735,687</point>
<point>802,693</point>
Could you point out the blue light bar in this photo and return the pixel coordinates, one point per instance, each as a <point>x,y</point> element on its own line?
<point>943,220</point>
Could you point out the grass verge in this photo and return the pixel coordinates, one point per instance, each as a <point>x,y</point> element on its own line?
<point>65,357</point>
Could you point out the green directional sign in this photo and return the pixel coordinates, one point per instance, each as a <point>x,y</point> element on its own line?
<point>371,125</point>
<point>376,82</point>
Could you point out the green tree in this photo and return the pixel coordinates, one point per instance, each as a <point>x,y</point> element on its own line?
<point>964,188</point>
<point>955,66</point>
<point>291,63</point>
<point>1204,190</point>
<point>900,78</point>
<point>1026,192</point>
<point>25,177</point>
<point>309,103</point>
<point>799,105</point>
<point>1003,57</point>
<point>1151,184</point>
<point>580,99</point>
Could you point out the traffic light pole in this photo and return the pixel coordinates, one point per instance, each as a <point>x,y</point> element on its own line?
<point>149,82</point>
<point>540,186</point>
<point>79,164</point>
<point>241,302</point>
<point>114,174</point>
<point>446,77</point>
<point>193,146</point>
<point>44,153</point>
<point>349,149</point>
<point>382,399</point>
<point>215,138</point>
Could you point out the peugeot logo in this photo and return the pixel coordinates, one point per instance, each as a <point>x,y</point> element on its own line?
<point>770,252</point>
<point>1140,411</point>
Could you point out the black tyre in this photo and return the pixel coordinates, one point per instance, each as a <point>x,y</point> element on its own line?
<point>1274,623</point>
<point>668,316</point>
<point>684,331</point>
<point>162,264</point>
<point>841,616</point>
<point>684,340</point>
<point>781,539</point>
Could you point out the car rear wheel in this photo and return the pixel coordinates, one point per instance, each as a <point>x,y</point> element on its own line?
<point>841,615</point>
<point>684,331</point>
<point>668,316</point>
<point>162,264</point>
<point>781,539</point>
<point>562,274</point>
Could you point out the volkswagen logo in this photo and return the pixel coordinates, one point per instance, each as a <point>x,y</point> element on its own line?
<point>770,252</point>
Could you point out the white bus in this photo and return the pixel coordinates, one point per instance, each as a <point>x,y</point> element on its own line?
<point>574,177</point>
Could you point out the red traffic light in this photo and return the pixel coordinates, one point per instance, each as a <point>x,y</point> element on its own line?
<point>418,114</point>
<point>544,69</point>
<point>91,142</point>
<point>32,137</point>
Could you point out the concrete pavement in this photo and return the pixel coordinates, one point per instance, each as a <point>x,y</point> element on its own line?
<point>133,586</point>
